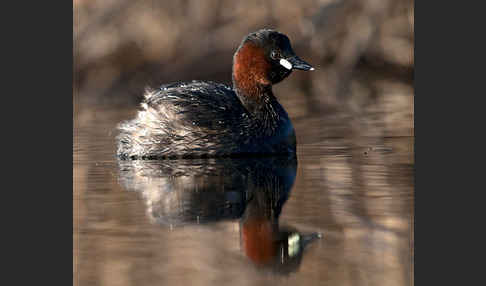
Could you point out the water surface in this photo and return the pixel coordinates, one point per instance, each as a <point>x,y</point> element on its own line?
<point>246,221</point>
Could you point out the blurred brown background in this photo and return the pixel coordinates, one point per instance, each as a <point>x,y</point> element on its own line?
<point>362,51</point>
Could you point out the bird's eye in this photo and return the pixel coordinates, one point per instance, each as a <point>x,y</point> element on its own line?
<point>274,54</point>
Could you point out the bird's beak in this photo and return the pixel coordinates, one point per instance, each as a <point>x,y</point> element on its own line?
<point>296,63</point>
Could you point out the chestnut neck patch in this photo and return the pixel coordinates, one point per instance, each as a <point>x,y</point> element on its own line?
<point>250,70</point>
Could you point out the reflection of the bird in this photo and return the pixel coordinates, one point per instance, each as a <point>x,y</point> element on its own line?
<point>254,190</point>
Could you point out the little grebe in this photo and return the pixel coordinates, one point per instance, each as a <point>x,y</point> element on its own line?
<point>207,119</point>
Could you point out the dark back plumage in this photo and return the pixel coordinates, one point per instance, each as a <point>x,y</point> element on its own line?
<point>195,119</point>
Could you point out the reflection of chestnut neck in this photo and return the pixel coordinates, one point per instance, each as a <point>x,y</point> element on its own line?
<point>259,241</point>
<point>259,227</point>
<point>259,233</point>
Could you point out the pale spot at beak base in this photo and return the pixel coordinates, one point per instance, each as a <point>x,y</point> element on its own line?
<point>286,64</point>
